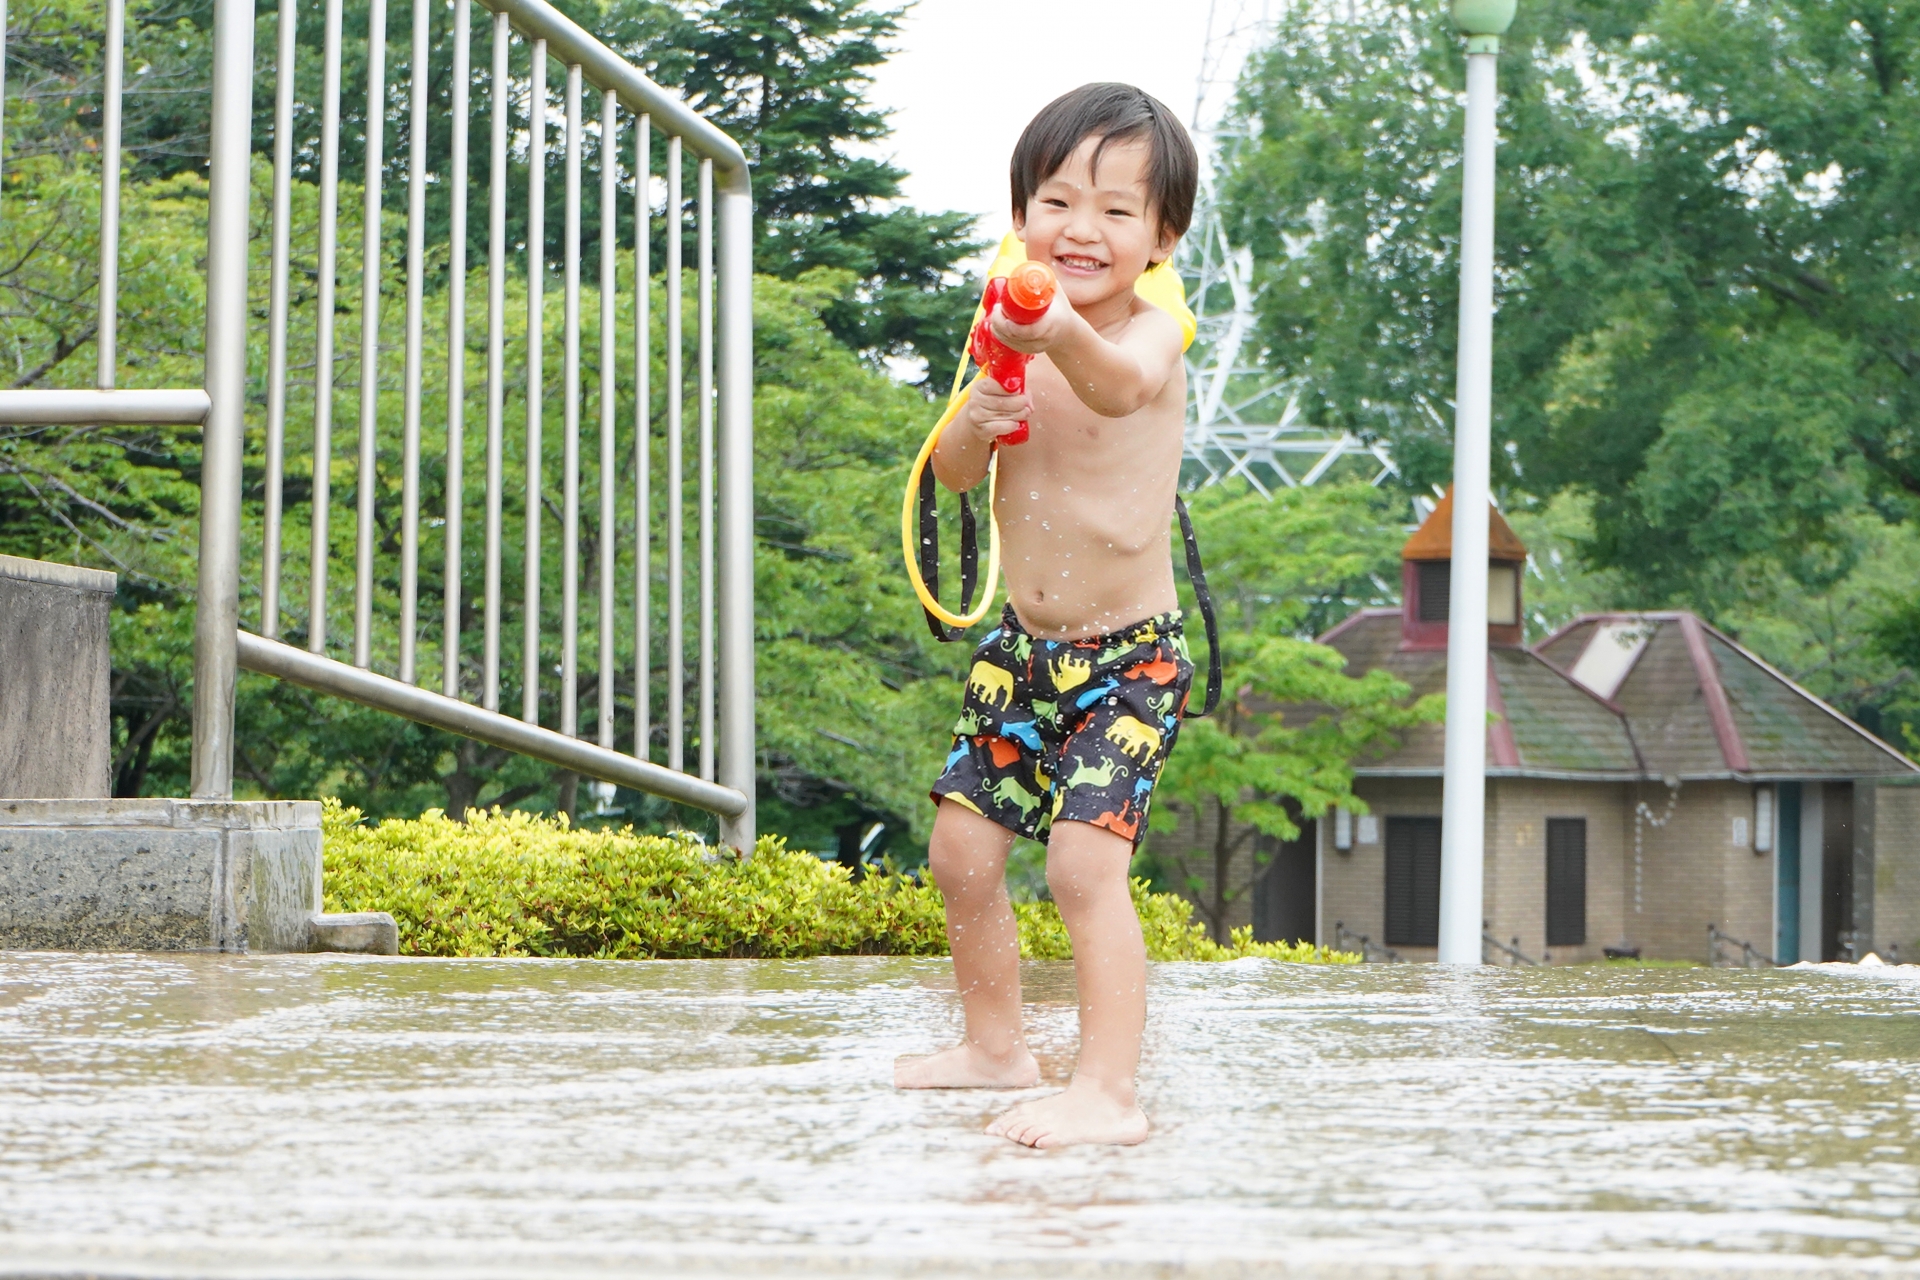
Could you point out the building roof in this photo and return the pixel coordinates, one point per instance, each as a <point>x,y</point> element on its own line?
<point>1433,540</point>
<point>1623,697</point>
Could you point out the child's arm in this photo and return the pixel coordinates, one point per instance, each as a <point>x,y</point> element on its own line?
<point>1113,378</point>
<point>960,459</point>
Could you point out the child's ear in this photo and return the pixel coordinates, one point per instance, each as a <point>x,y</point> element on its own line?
<point>1020,223</point>
<point>1169,240</point>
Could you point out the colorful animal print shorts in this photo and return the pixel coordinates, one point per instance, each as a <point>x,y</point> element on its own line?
<point>1068,730</point>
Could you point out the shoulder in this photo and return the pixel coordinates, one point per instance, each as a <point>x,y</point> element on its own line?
<point>1151,329</point>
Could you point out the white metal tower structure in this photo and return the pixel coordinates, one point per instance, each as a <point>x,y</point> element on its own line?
<point>1242,420</point>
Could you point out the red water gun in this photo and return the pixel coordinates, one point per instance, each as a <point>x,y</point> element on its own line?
<point>1023,296</point>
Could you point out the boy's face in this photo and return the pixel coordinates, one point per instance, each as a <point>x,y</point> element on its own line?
<point>1096,230</point>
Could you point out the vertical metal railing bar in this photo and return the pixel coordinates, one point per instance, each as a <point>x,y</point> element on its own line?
<point>3,75</point>
<point>418,90</point>
<point>705,279</point>
<point>216,614</point>
<point>456,348</point>
<point>365,484</point>
<point>498,85</point>
<point>324,336</point>
<point>536,300</point>
<point>277,320</point>
<point>737,761</point>
<point>106,333</point>
<point>570,415</point>
<point>642,437</point>
<point>609,390</point>
<point>676,586</point>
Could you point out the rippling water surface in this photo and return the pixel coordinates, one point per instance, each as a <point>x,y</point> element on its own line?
<point>251,1111</point>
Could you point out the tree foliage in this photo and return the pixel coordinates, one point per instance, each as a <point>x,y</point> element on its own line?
<point>1292,724</point>
<point>1706,317</point>
<point>1706,275</point>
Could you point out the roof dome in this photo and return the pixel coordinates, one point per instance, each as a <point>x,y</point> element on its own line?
<point>1433,540</point>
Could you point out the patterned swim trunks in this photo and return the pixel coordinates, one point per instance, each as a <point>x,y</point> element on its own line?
<point>1068,730</point>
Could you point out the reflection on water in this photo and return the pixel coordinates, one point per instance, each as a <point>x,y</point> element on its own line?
<point>717,1104</point>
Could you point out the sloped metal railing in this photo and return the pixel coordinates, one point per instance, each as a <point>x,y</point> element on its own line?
<point>631,110</point>
<point>1751,957</point>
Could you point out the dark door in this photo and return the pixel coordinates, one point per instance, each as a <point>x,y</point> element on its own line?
<point>1284,896</point>
<point>1413,882</point>
<point>1566,882</point>
<point>1836,878</point>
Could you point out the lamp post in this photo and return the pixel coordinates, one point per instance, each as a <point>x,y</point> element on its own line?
<point>1463,822</point>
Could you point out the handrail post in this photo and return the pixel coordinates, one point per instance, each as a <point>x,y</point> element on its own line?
<point>216,620</point>
<point>736,756</point>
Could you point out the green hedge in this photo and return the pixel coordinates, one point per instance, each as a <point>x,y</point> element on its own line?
<point>516,884</point>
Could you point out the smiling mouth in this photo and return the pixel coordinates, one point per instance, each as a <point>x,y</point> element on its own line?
<point>1074,262</point>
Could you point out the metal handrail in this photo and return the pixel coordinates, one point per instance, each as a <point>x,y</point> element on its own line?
<point>1748,952</point>
<point>1343,937</point>
<point>1513,953</point>
<point>723,713</point>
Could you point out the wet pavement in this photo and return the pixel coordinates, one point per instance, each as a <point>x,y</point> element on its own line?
<point>330,1117</point>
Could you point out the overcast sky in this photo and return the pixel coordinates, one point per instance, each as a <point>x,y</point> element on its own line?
<point>959,101</point>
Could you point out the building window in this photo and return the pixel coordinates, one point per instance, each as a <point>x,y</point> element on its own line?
<point>1436,589</point>
<point>1413,882</point>
<point>1503,594</point>
<point>1566,882</point>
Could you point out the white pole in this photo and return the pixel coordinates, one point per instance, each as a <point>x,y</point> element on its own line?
<point>1463,822</point>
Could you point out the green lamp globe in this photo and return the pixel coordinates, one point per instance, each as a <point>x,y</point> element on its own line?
<point>1483,17</point>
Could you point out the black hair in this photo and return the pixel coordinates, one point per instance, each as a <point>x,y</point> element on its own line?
<point>1111,113</point>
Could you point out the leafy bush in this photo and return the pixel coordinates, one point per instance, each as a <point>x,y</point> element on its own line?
<point>517,884</point>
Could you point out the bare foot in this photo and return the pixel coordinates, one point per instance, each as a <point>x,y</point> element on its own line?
<point>1083,1113</point>
<point>967,1066</point>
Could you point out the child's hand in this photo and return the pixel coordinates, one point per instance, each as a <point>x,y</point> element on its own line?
<point>1043,333</point>
<point>991,413</point>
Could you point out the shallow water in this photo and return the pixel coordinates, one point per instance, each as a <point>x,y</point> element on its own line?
<point>254,1112</point>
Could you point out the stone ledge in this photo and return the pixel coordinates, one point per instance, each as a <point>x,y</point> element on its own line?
<point>50,574</point>
<point>159,875</point>
<point>370,933</point>
<point>211,815</point>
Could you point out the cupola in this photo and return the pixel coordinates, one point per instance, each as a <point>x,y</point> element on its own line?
<point>1426,568</point>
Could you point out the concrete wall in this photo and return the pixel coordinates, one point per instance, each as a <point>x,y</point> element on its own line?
<point>1353,889</point>
<point>1516,882</point>
<point>159,875</point>
<point>55,680</point>
<point>1691,872</point>
<point>1896,869</point>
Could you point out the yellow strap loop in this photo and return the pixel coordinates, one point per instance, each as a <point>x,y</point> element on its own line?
<point>909,525</point>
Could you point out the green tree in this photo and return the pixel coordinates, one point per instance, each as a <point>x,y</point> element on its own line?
<point>1705,325</point>
<point>1291,724</point>
<point>831,426</point>
<point>788,79</point>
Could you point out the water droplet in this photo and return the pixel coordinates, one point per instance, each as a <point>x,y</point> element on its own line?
<point>1035,494</point>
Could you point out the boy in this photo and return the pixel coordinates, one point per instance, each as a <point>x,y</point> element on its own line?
<point>1074,700</point>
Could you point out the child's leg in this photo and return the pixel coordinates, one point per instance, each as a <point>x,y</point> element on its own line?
<point>968,857</point>
<point>1087,871</point>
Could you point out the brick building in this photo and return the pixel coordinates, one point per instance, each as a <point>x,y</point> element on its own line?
<point>1646,776</point>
